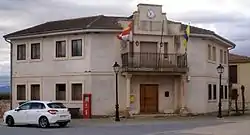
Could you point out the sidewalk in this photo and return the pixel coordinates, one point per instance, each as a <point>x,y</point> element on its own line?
<point>238,128</point>
<point>150,120</point>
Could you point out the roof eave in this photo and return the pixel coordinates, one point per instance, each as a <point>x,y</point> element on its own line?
<point>52,33</point>
<point>238,61</point>
<point>229,43</point>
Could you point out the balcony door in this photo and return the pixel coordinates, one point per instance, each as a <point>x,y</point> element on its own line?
<point>148,55</point>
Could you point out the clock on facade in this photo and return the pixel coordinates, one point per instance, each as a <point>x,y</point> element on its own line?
<point>151,14</point>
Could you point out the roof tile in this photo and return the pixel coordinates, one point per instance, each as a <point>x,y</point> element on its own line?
<point>235,58</point>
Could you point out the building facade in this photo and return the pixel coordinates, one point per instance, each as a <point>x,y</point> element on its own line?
<point>61,60</point>
<point>239,74</point>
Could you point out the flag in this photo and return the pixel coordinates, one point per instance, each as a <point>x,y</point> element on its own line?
<point>186,36</point>
<point>126,33</point>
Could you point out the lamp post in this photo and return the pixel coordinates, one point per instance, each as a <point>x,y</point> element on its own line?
<point>116,68</point>
<point>220,70</point>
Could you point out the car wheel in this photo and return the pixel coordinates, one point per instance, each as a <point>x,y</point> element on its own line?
<point>43,122</point>
<point>63,124</point>
<point>9,121</point>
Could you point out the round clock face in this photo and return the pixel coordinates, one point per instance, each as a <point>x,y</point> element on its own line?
<point>151,14</point>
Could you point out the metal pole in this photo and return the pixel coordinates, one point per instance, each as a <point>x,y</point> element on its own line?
<point>219,113</point>
<point>117,118</point>
<point>11,70</point>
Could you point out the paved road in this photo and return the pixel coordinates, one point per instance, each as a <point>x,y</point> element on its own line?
<point>132,127</point>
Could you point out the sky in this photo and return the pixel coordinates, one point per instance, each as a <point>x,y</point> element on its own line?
<point>228,18</point>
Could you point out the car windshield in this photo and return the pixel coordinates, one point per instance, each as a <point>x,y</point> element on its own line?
<point>56,105</point>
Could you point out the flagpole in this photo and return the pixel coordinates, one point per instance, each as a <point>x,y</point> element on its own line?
<point>161,44</point>
<point>162,29</point>
<point>132,37</point>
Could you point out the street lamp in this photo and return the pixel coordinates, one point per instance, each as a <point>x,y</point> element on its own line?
<point>220,70</point>
<point>116,68</point>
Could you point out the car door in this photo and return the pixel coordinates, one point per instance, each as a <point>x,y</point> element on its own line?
<point>36,109</point>
<point>20,114</point>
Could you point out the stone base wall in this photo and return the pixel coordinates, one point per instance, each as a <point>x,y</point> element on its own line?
<point>4,106</point>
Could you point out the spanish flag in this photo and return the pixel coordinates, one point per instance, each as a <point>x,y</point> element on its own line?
<point>186,36</point>
<point>126,32</point>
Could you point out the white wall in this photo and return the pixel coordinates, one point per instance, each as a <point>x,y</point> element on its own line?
<point>202,72</point>
<point>100,53</point>
<point>48,65</point>
<point>47,85</point>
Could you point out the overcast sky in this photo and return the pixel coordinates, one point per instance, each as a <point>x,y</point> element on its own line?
<point>229,18</point>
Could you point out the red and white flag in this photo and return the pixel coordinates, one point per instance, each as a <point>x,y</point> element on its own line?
<point>126,33</point>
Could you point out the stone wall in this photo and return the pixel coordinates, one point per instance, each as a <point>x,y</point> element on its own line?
<point>4,106</point>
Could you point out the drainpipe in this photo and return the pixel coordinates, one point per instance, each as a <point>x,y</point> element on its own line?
<point>229,87</point>
<point>11,53</point>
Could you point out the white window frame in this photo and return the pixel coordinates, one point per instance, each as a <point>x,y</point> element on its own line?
<point>70,90</point>
<point>26,92</point>
<point>212,54</point>
<point>29,91</point>
<point>67,89</point>
<point>225,58</point>
<point>212,100</point>
<point>224,92</point>
<point>27,50</point>
<point>41,52</point>
<point>54,52</point>
<point>221,56</point>
<point>70,48</point>
<point>209,52</point>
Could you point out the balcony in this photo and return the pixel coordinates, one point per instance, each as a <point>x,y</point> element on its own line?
<point>154,62</point>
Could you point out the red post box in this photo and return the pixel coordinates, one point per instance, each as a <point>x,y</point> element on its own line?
<point>86,106</point>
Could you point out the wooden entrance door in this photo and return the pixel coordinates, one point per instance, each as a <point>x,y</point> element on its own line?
<point>149,98</point>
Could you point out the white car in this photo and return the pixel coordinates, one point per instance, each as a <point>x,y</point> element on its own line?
<point>42,113</point>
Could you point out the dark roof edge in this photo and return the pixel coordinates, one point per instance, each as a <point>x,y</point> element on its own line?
<point>63,32</point>
<point>211,33</point>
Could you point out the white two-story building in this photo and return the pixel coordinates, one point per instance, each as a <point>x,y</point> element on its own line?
<point>61,60</point>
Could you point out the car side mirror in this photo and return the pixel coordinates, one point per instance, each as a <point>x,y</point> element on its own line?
<point>17,109</point>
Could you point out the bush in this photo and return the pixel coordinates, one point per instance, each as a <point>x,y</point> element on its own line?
<point>4,96</point>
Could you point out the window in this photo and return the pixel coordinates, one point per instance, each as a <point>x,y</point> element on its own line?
<point>60,49</point>
<point>25,106</point>
<point>21,92</point>
<point>225,57</point>
<point>209,52</point>
<point>209,91</point>
<point>166,93</point>
<point>35,51</point>
<point>21,52</point>
<point>76,48</point>
<point>214,92</point>
<point>225,88</point>
<point>76,91</point>
<point>221,56</point>
<point>37,106</point>
<point>56,105</point>
<point>35,91</point>
<point>214,53</point>
<point>60,91</point>
<point>233,76</point>
<point>166,50</point>
<point>221,92</point>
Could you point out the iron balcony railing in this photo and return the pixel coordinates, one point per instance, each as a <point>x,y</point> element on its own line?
<point>138,61</point>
